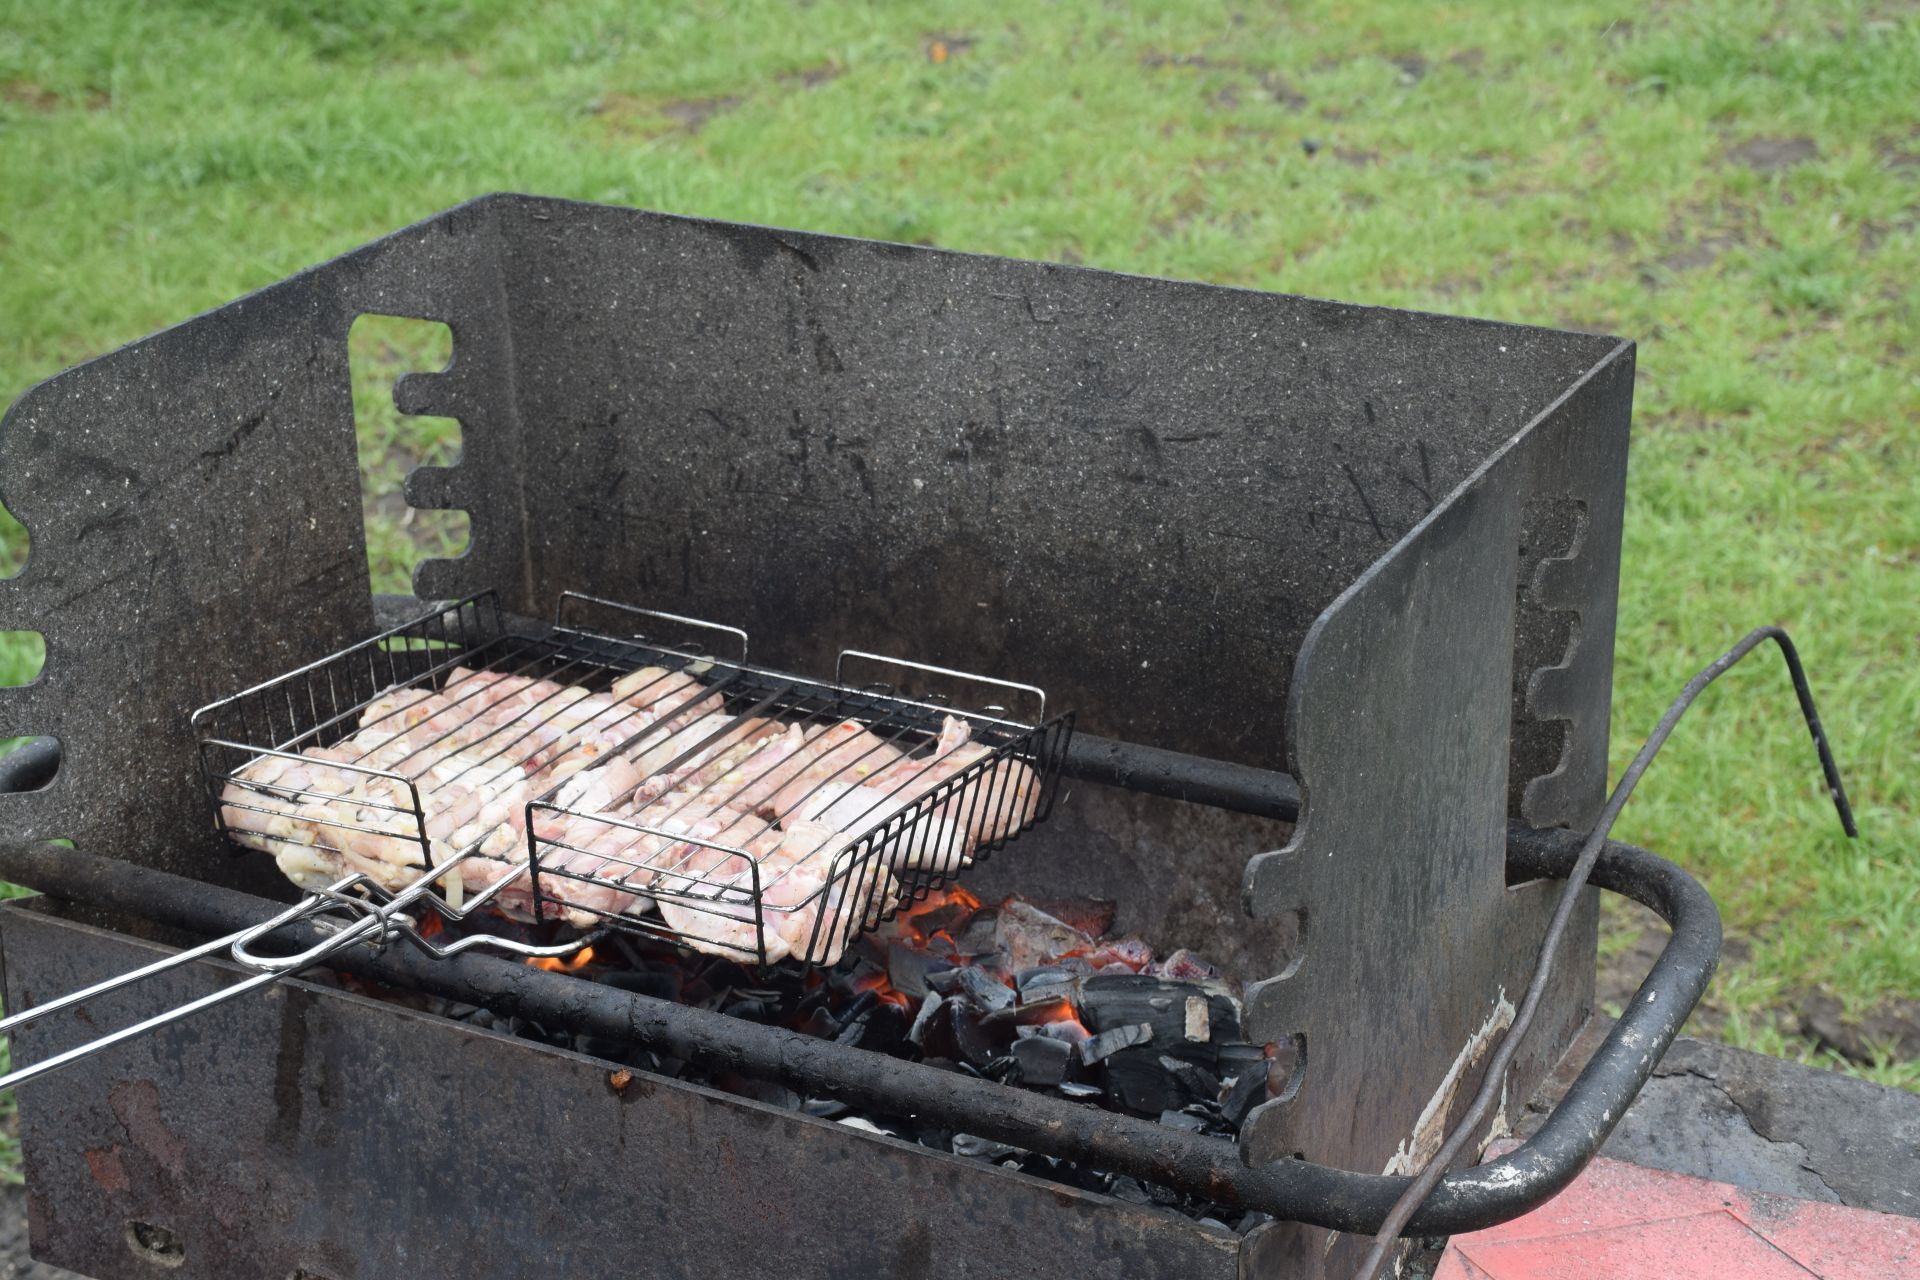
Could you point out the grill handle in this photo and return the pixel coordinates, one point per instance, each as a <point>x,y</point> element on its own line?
<point>351,912</point>
<point>1466,1200</point>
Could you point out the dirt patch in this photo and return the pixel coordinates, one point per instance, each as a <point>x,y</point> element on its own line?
<point>1468,59</point>
<point>692,114</point>
<point>1771,155</point>
<point>814,77</point>
<point>1694,256</point>
<point>37,97</point>
<point>1901,154</point>
<point>1281,91</point>
<point>626,113</point>
<point>940,48</point>
<point>1893,1028</point>
<point>1413,67</point>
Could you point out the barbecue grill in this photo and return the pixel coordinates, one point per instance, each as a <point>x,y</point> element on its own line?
<point>1328,589</point>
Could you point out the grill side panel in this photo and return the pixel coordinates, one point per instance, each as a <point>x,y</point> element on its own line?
<point>306,1132</point>
<point>194,507</point>
<point>1136,493</point>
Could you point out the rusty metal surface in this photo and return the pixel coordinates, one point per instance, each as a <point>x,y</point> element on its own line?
<point>1206,1168</point>
<point>311,1132</point>
<point>1148,496</point>
<point>1395,878</point>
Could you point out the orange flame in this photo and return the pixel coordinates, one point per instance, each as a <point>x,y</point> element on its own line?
<point>877,983</point>
<point>556,964</point>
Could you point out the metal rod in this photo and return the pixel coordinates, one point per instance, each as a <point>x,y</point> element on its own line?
<point>1242,788</point>
<point>1493,1081</point>
<point>1465,1200</point>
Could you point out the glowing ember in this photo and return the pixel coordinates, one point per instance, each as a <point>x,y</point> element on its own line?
<point>877,983</point>
<point>556,964</point>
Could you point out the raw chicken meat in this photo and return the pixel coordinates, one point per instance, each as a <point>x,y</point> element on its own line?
<point>742,832</point>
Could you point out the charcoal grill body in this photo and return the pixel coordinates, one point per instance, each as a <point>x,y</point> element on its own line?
<point>1372,548</point>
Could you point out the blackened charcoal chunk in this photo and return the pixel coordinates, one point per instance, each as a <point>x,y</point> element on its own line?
<point>966,1144</point>
<point>1137,1082</point>
<point>820,1023</point>
<point>1125,1188</point>
<point>1043,1061</point>
<point>826,1108</point>
<point>1235,1058</point>
<point>1248,1091</point>
<point>1201,1084</point>
<point>1203,1012</point>
<point>974,1043</point>
<point>1183,1120</point>
<point>1080,1089</point>
<point>1002,1069</point>
<point>1113,1040</point>
<point>926,1019</point>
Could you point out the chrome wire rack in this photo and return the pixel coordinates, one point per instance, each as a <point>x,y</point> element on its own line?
<point>557,772</point>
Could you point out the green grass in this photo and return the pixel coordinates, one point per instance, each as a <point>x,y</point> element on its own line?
<point>1734,185</point>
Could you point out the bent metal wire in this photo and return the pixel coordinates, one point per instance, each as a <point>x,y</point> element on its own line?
<point>722,879</point>
<point>358,910</point>
<point>862,879</point>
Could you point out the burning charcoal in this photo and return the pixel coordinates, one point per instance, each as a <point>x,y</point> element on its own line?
<point>1137,1082</point>
<point>826,1108</point>
<point>907,969</point>
<point>1183,966</point>
<point>1248,1091</point>
<point>1042,1061</point>
<point>1028,936</point>
<point>1029,1015</point>
<point>975,985</point>
<point>1107,1043</point>
<point>950,918</point>
<point>1182,1120</point>
<point>980,936</point>
<point>1129,955</point>
<point>1047,976</point>
<point>1080,1090</point>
